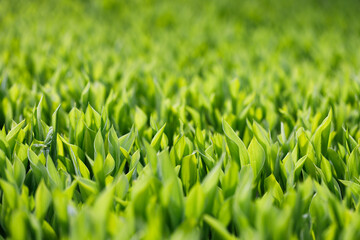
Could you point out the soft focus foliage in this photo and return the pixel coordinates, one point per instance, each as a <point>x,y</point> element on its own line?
<point>179,119</point>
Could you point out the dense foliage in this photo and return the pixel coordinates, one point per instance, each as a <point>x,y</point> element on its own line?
<point>179,119</point>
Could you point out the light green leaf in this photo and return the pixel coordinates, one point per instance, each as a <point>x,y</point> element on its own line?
<point>195,202</point>
<point>155,142</point>
<point>257,157</point>
<point>12,135</point>
<point>10,195</point>
<point>55,125</point>
<point>230,179</point>
<point>109,164</point>
<point>19,172</point>
<point>188,171</point>
<point>326,169</point>
<point>236,146</point>
<point>272,186</point>
<point>321,136</point>
<point>140,118</point>
<point>42,200</point>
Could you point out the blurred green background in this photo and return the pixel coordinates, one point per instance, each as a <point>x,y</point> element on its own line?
<point>298,48</point>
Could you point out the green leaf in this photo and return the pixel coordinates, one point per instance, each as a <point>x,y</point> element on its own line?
<point>92,118</point>
<point>109,165</point>
<point>87,187</point>
<point>84,171</point>
<point>151,156</point>
<point>121,186</point>
<point>226,212</point>
<point>230,179</point>
<point>261,135</point>
<point>54,174</point>
<point>48,231</point>
<point>339,165</point>
<point>18,225</point>
<point>5,147</point>
<point>19,172</point>
<point>114,148</point>
<point>209,184</point>
<point>155,142</point>
<point>179,149</point>
<point>85,96</point>
<point>187,230</point>
<point>99,146</point>
<point>298,166</point>
<point>98,169</point>
<point>257,157</point>
<point>199,139</point>
<point>39,127</point>
<point>77,127</point>
<point>75,160</point>
<point>127,140</point>
<point>37,166</point>
<point>321,136</point>
<point>140,119</point>
<point>10,196</point>
<point>42,200</point>
<point>100,211</point>
<point>12,135</point>
<point>236,146</point>
<point>188,171</point>
<point>194,206</point>
<point>172,199</point>
<point>218,228</point>
<point>55,125</point>
<point>272,186</point>
<point>326,169</point>
<point>353,163</point>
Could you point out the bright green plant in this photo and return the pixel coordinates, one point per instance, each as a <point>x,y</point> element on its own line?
<point>179,120</point>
